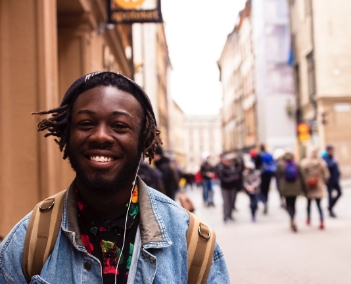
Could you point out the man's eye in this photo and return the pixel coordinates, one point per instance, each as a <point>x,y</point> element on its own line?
<point>118,126</point>
<point>85,124</point>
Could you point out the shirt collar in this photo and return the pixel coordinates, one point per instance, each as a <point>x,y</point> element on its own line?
<point>150,225</point>
<point>87,216</point>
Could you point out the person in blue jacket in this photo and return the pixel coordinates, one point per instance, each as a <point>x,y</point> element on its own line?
<point>333,182</point>
<point>114,228</point>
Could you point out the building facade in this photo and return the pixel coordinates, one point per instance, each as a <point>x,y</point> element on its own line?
<point>177,134</point>
<point>152,68</point>
<point>44,47</point>
<point>202,136</point>
<point>320,32</point>
<point>257,80</point>
<point>274,76</point>
<point>236,66</point>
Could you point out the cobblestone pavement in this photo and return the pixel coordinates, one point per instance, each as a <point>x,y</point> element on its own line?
<point>268,252</point>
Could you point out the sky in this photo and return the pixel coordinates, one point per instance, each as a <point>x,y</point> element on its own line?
<point>196,32</point>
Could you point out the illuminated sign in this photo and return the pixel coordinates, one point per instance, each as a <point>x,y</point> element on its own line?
<point>132,4</point>
<point>131,11</point>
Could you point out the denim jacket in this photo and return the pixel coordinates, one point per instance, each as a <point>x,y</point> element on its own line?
<point>160,253</point>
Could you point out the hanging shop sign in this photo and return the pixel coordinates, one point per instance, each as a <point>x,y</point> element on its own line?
<point>132,11</point>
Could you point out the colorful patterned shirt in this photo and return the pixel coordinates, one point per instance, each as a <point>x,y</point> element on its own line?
<point>103,238</point>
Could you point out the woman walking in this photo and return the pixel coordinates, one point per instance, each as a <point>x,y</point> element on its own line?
<point>251,184</point>
<point>291,184</point>
<point>315,173</point>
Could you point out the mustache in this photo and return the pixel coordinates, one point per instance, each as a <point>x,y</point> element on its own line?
<point>100,146</point>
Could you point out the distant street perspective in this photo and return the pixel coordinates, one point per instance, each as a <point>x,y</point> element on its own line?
<point>267,251</point>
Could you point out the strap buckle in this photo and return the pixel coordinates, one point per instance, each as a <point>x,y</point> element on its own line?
<point>47,205</point>
<point>206,232</point>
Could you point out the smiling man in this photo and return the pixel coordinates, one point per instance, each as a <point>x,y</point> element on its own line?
<point>111,227</point>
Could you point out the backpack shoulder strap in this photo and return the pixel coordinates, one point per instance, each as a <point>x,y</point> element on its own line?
<point>42,232</point>
<point>201,241</point>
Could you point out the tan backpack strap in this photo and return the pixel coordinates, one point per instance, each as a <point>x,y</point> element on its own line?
<point>201,241</point>
<point>42,232</point>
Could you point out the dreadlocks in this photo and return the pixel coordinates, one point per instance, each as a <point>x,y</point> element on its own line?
<point>59,124</point>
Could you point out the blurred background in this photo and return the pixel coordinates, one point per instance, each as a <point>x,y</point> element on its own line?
<point>223,76</point>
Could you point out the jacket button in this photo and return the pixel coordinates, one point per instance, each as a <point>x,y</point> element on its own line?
<point>87,265</point>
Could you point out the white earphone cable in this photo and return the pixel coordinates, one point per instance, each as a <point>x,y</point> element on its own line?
<point>125,222</point>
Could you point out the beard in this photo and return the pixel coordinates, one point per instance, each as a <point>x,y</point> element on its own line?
<point>99,184</point>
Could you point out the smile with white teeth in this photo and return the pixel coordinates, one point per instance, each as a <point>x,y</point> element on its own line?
<point>101,159</point>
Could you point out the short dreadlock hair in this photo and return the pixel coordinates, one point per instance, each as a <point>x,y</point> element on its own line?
<point>59,124</point>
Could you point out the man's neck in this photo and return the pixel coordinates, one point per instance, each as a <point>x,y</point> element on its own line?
<point>103,205</point>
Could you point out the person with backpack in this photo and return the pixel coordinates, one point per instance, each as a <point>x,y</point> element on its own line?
<point>265,163</point>
<point>108,226</point>
<point>251,184</point>
<point>315,174</point>
<point>278,158</point>
<point>291,184</point>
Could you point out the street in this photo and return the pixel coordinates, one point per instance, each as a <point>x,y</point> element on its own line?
<point>268,252</point>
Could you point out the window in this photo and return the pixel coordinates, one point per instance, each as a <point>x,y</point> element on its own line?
<point>311,75</point>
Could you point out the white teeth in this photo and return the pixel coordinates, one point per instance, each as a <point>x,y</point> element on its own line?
<point>101,159</point>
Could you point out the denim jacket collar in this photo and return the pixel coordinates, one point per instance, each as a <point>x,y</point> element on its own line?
<point>153,232</point>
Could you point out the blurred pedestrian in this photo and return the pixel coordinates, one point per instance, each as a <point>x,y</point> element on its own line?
<point>151,176</point>
<point>324,154</point>
<point>190,179</point>
<point>229,181</point>
<point>291,184</point>
<point>239,167</point>
<point>265,163</point>
<point>315,173</point>
<point>220,164</point>
<point>251,183</point>
<point>198,180</point>
<point>333,183</point>
<point>177,168</point>
<point>254,158</point>
<point>207,172</point>
<point>169,175</point>
<point>278,158</point>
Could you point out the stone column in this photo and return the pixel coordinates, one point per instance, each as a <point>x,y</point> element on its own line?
<point>30,168</point>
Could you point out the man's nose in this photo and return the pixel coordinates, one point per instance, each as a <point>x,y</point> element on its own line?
<point>101,135</point>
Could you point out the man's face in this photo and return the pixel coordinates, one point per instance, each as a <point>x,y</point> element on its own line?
<point>103,145</point>
<point>331,151</point>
